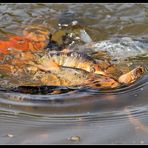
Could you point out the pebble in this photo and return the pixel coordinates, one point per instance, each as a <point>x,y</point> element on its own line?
<point>141,142</point>
<point>74,138</point>
<point>10,135</point>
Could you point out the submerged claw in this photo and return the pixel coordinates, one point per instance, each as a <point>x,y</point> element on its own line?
<point>131,76</point>
<point>100,81</point>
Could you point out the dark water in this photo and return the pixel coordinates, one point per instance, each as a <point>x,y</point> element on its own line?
<point>107,117</point>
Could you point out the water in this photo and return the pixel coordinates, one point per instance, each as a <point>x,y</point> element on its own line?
<point>98,117</point>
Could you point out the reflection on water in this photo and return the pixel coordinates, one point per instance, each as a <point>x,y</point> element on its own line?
<point>99,117</point>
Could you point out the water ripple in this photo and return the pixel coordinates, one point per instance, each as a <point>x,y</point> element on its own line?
<point>83,104</point>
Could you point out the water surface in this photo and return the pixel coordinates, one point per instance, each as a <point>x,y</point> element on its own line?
<point>98,117</point>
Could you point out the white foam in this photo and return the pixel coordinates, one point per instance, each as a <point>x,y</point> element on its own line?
<point>121,48</point>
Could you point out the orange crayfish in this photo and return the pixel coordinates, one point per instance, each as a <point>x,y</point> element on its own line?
<point>34,38</point>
